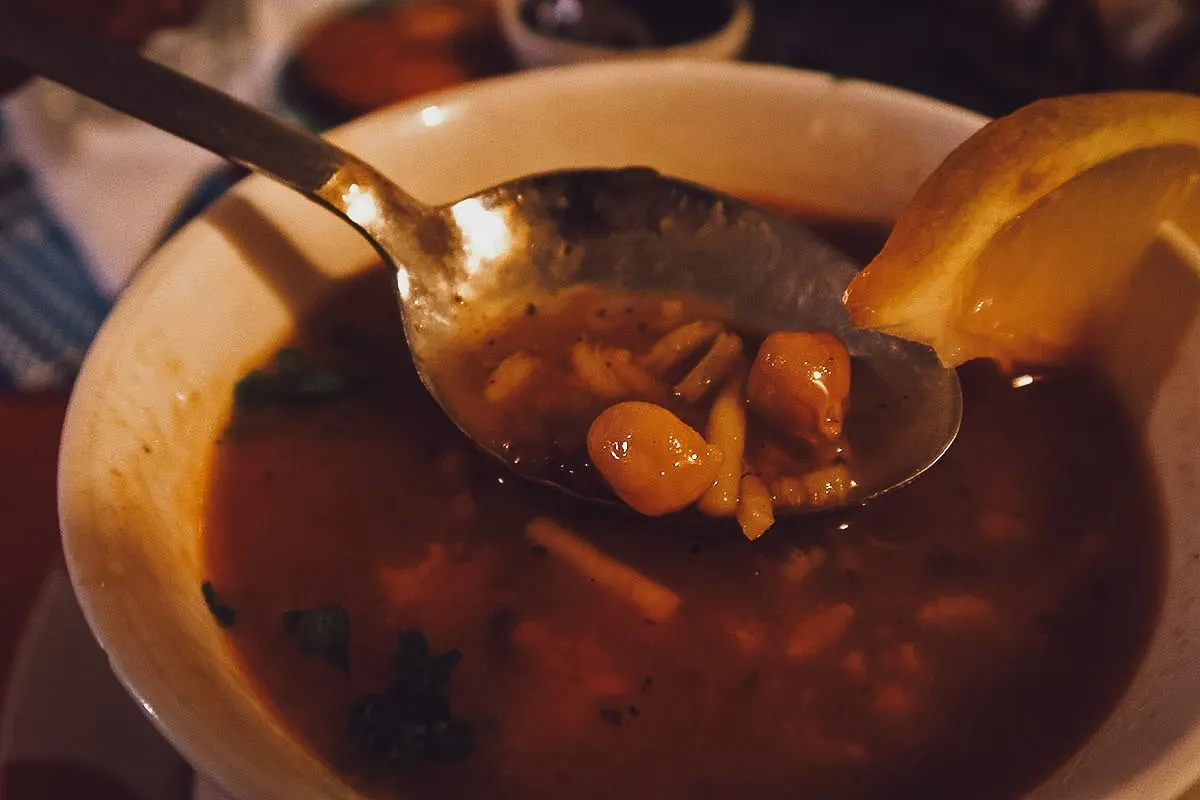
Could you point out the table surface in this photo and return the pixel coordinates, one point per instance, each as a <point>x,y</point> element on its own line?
<point>908,45</point>
<point>29,430</point>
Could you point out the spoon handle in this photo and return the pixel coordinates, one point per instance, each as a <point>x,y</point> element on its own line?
<point>172,102</point>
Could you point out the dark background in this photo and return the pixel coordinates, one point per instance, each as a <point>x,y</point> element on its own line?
<point>983,54</point>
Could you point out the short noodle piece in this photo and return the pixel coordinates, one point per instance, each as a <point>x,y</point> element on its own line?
<point>727,430</point>
<point>677,346</point>
<point>656,602</point>
<point>712,369</point>
<point>755,513</point>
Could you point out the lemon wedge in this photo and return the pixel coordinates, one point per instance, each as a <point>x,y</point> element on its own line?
<point>1023,243</point>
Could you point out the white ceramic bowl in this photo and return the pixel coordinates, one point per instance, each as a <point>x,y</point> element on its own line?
<point>156,386</point>
<point>533,49</point>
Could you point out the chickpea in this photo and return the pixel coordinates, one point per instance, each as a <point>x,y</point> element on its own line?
<point>651,458</point>
<point>799,383</point>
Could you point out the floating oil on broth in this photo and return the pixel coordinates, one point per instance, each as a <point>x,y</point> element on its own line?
<point>958,638</point>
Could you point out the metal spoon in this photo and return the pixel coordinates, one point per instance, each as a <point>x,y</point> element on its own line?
<point>631,229</point>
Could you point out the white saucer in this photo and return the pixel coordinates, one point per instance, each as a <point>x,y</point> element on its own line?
<point>63,705</point>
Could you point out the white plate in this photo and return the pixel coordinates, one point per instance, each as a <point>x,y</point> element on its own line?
<point>63,705</point>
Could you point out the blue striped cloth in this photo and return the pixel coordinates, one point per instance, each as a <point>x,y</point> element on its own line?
<point>50,307</point>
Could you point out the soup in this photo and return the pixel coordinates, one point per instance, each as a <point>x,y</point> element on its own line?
<point>436,628</point>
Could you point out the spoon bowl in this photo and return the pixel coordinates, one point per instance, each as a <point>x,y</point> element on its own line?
<point>457,264</point>
<point>634,229</point>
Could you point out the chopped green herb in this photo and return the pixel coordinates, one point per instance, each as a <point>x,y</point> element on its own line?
<point>323,633</point>
<point>224,615</point>
<point>646,684</point>
<point>290,379</point>
<point>289,361</point>
<point>411,720</point>
<point>319,383</point>
<point>611,715</point>
<point>634,711</point>
<point>412,653</point>
<point>256,387</point>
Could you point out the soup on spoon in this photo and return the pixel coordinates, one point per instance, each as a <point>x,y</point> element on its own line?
<point>659,401</point>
